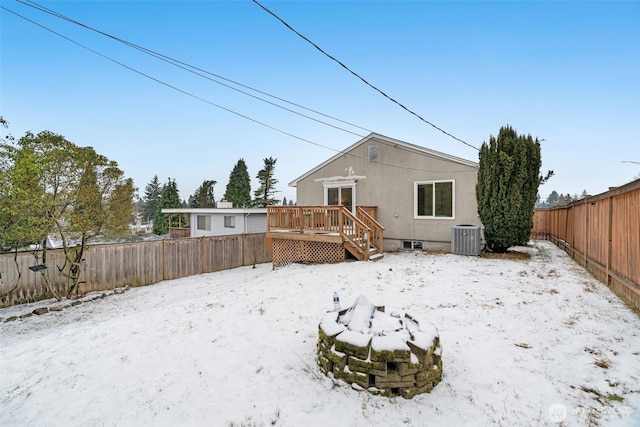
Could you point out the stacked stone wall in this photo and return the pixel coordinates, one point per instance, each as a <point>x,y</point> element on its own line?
<point>404,371</point>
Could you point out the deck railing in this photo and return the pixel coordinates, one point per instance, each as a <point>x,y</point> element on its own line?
<point>376,234</point>
<point>179,232</point>
<point>360,232</point>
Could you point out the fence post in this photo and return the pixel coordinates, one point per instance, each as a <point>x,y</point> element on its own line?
<point>609,232</point>
<point>243,236</point>
<point>586,234</point>
<point>164,261</point>
<point>202,257</point>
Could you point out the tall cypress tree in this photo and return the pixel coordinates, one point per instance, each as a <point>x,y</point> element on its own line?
<point>238,189</point>
<point>169,198</point>
<point>508,181</point>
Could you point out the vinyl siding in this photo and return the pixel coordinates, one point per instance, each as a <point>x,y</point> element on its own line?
<point>255,223</point>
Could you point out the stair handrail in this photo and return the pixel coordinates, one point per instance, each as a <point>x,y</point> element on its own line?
<point>361,232</point>
<point>376,236</point>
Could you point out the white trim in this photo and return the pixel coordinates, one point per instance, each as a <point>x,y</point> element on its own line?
<point>435,181</point>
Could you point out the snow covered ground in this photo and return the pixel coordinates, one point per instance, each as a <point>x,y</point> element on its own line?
<point>528,342</point>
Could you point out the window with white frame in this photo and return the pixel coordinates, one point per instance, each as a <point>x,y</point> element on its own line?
<point>204,222</point>
<point>229,221</point>
<point>434,199</point>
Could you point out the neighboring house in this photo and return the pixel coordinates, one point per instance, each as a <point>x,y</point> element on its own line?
<point>222,222</point>
<point>140,228</point>
<point>419,194</point>
<point>52,242</point>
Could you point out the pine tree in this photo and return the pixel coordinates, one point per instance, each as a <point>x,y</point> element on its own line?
<point>169,198</point>
<point>284,201</point>
<point>238,189</point>
<point>264,194</point>
<point>203,196</point>
<point>151,197</point>
<point>552,199</point>
<point>564,200</point>
<point>508,181</point>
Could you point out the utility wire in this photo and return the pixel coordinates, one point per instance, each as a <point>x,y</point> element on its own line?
<point>203,99</point>
<point>359,76</point>
<point>167,84</point>
<point>200,72</point>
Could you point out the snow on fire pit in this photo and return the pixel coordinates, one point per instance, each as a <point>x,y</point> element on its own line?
<point>389,354</point>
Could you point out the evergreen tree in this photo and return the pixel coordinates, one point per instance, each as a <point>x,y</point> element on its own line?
<point>169,198</point>
<point>508,181</point>
<point>552,199</point>
<point>564,199</point>
<point>151,197</point>
<point>203,196</point>
<point>238,189</point>
<point>264,194</point>
<point>284,201</point>
<point>120,211</point>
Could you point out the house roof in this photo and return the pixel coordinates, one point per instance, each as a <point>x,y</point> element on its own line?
<point>396,142</point>
<point>242,211</point>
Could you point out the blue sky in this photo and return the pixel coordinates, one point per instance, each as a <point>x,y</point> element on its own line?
<point>566,72</point>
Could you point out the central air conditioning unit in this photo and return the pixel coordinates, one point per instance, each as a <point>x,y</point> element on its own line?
<point>465,240</point>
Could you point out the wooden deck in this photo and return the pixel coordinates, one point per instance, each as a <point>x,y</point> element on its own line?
<point>321,234</point>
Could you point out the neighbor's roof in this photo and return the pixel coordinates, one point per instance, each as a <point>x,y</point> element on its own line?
<point>215,210</point>
<point>392,141</point>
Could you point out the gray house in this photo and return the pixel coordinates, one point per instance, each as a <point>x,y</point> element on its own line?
<point>416,194</point>
<point>218,222</point>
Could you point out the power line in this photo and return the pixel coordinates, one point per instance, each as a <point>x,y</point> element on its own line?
<point>360,77</point>
<point>199,71</point>
<point>203,99</point>
<point>167,84</point>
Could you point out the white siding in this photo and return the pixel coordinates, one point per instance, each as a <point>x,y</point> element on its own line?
<point>256,223</point>
<point>218,228</point>
<point>244,223</point>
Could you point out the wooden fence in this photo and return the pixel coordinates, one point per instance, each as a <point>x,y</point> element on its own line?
<point>129,264</point>
<point>602,233</point>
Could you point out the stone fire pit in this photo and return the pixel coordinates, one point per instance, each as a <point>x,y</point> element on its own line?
<point>389,354</point>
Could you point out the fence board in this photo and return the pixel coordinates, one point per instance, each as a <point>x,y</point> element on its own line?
<point>625,237</point>
<point>602,233</point>
<point>112,266</point>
